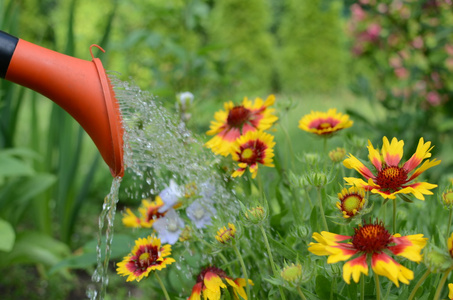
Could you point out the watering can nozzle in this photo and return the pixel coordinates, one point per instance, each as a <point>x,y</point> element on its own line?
<point>80,87</point>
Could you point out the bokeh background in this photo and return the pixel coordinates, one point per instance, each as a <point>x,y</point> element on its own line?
<point>388,64</point>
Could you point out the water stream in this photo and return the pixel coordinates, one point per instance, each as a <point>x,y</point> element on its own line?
<point>158,149</point>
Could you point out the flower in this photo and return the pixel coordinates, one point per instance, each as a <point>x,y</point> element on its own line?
<point>370,241</point>
<point>237,120</point>
<point>170,196</point>
<point>351,201</point>
<point>211,279</point>
<point>224,235</point>
<point>324,123</point>
<point>447,198</point>
<point>391,176</point>
<point>200,213</point>
<point>146,256</point>
<point>169,227</point>
<point>252,148</point>
<point>337,154</point>
<point>148,214</point>
<point>450,290</point>
<point>292,273</point>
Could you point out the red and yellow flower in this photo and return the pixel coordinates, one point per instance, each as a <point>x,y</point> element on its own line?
<point>148,214</point>
<point>251,149</point>
<point>237,120</point>
<point>224,234</point>
<point>370,242</point>
<point>325,123</point>
<point>147,255</point>
<point>351,201</point>
<point>211,280</point>
<point>391,176</point>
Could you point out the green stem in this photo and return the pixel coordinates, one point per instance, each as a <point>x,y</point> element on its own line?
<point>321,210</point>
<point>271,258</point>
<point>162,286</point>
<point>324,154</point>
<point>394,215</point>
<point>244,270</point>
<point>301,294</point>
<point>449,223</point>
<point>222,257</point>
<point>378,287</point>
<point>419,283</point>
<point>260,188</point>
<point>290,146</point>
<point>441,283</point>
<point>362,287</point>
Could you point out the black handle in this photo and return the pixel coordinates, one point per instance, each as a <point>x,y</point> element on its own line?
<point>7,46</point>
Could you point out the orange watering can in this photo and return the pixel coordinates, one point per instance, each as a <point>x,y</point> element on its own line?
<point>80,87</point>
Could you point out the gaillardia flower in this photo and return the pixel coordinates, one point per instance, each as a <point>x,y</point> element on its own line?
<point>146,256</point>
<point>370,242</point>
<point>351,201</point>
<point>325,123</point>
<point>211,279</point>
<point>148,214</point>
<point>251,149</point>
<point>224,234</point>
<point>392,177</point>
<point>237,120</point>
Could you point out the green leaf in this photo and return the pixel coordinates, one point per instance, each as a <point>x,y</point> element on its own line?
<point>35,247</point>
<point>323,287</point>
<point>11,166</point>
<point>7,236</point>
<point>121,245</point>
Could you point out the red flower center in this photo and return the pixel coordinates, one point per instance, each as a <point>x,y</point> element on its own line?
<point>371,238</point>
<point>322,123</point>
<point>252,152</point>
<point>153,214</point>
<point>145,257</point>
<point>238,116</point>
<point>391,178</point>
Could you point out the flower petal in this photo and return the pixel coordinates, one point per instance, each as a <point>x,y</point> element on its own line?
<point>354,268</point>
<point>374,156</point>
<point>426,165</point>
<point>392,152</point>
<point>420,154</point>
<point>409,246</point>
<point>384,265</point>
<point>196,292</point>
<point>353,163</point>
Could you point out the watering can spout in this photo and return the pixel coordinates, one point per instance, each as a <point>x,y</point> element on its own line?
<point>80,87</point>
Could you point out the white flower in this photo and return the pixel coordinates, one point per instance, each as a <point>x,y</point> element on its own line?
<point>200,213</point>
<point>170,196</point>
<point>185,98</point>
<point>169,227</point>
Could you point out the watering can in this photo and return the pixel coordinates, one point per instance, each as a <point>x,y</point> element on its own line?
<point>80,87</point>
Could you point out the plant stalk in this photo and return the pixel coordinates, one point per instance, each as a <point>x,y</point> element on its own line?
<point>419,283</point>
<point>378,287</point>
<point>321,210</point>
<point>441,284</point>
<point>162,286</point>
<point>244,270</point>
<point>271,258</point>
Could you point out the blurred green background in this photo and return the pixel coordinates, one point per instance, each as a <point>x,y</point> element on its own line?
<point>313,54</point>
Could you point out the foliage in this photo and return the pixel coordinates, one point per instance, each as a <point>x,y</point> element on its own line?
<point>311,36</point>
<point>403,61</point>
<point>246,49</point>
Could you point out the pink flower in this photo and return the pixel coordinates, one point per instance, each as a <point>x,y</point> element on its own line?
<point>433,98</point>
